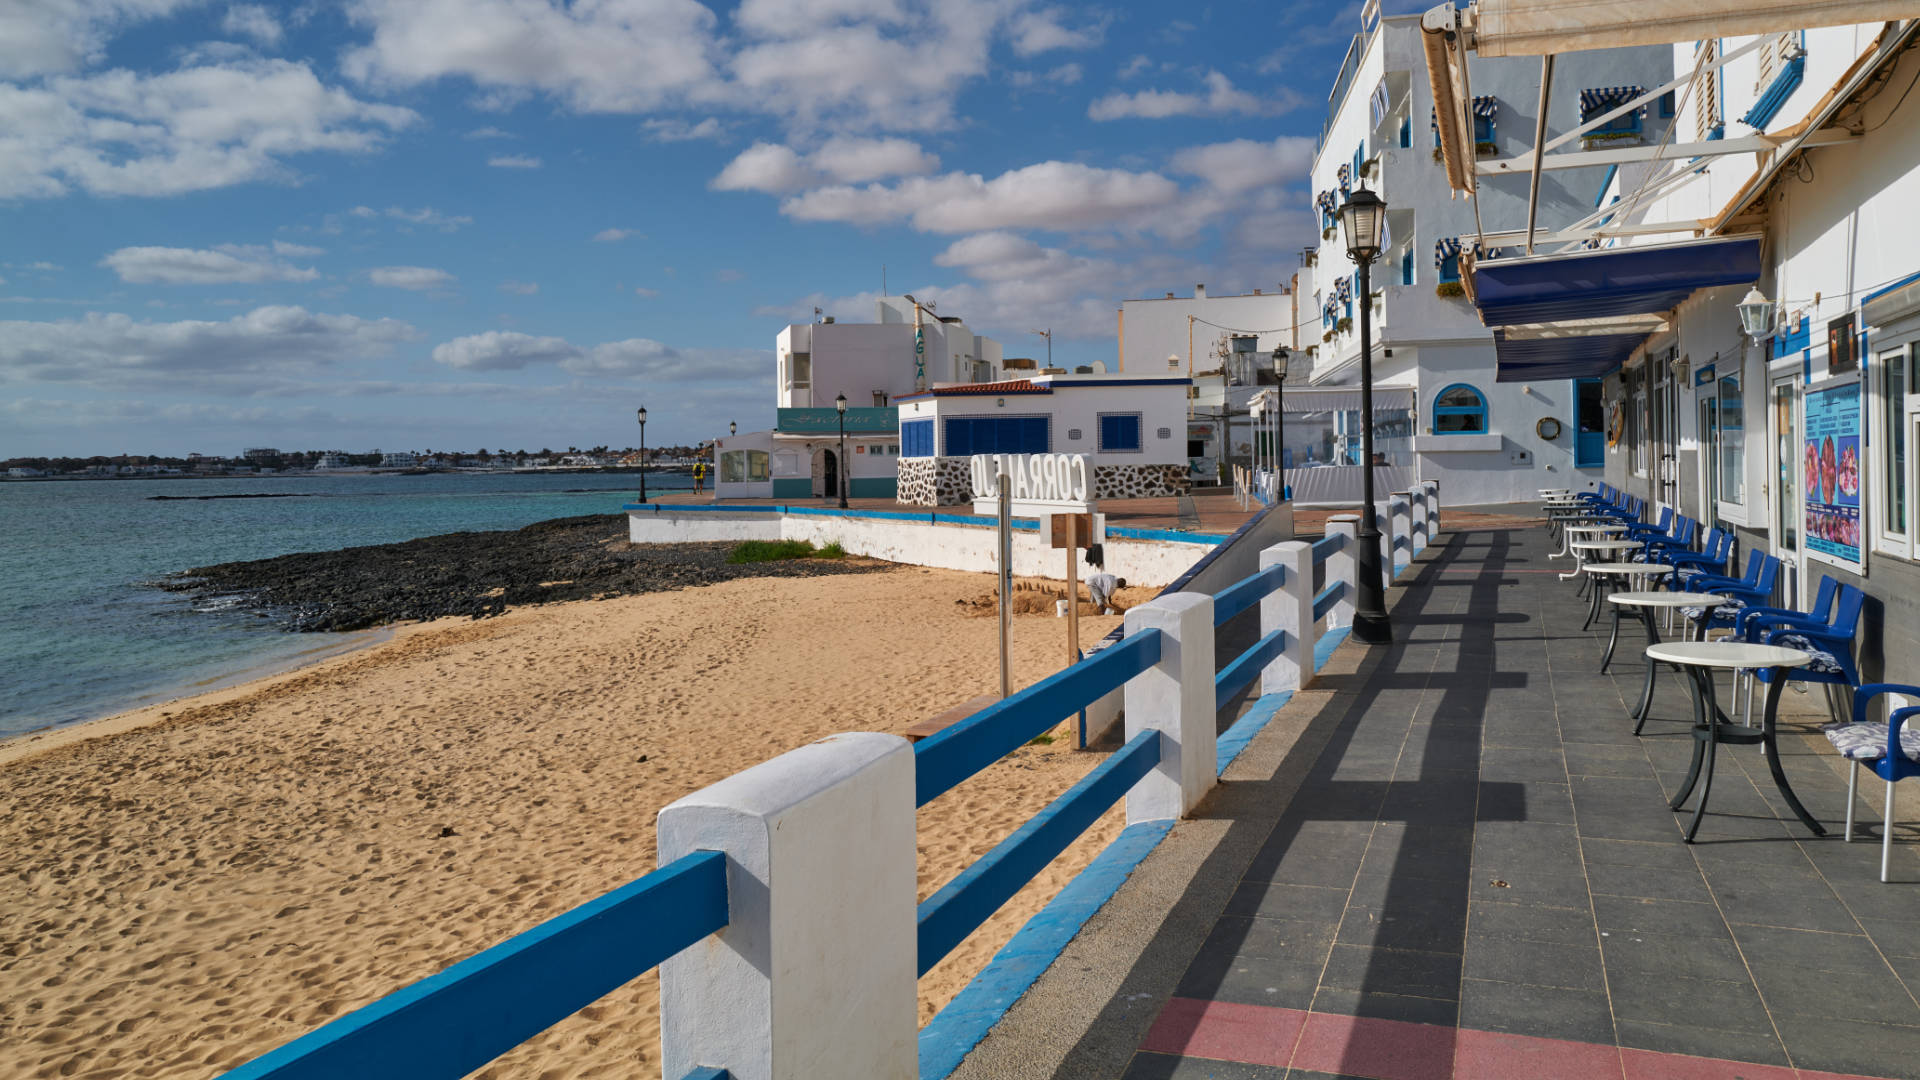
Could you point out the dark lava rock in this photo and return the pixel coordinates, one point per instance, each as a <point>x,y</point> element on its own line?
<point>474,574</point>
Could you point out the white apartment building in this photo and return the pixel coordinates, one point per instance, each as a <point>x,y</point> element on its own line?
<point>1442,411</point>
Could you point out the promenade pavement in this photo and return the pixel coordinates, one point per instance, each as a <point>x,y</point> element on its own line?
<point>1451,857</point>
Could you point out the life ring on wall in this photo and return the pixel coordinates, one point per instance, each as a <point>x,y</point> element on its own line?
<point>1616,424</point>
<point>1548,428</point>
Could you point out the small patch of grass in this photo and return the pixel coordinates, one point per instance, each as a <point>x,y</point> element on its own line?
<point>752,551</point>
<point>831,551</point>
<point>1040,740</point>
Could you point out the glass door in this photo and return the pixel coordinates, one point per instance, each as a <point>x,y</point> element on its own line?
<point>1783,418</point>
<point>1709,431</point>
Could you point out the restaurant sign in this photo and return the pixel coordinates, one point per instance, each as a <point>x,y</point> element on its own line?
<point>1831,465</point>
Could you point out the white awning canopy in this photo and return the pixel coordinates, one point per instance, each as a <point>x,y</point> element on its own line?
<point>1322,399</point>
<point>1542,27</point>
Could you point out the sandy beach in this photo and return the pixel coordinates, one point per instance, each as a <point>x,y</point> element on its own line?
<point>190,885</point>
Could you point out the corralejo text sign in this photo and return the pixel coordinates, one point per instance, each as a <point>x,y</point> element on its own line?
<point>1041,483</point>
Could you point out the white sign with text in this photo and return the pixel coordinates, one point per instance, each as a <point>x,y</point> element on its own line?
<point>1041,483</point>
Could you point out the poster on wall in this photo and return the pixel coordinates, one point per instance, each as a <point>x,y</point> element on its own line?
<point>1841,357</point>
<point>1832,469</point>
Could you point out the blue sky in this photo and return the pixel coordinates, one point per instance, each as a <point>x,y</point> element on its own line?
<point>465,223</point>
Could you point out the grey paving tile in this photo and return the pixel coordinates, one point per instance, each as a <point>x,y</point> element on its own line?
<point>1539,1011</point>
<point>1427,851</point>
<point>1279,900</point>
<point>1521,884</point>
<point>1383,1006</point>
<point>1768,946</point>
<point>1652,882</point>
<point>1393,971</point>
<point>1593,759</point>
<point>1435,925</point>
<point>1668,854</point>
<point>1760,1047</point>
<point>1536,963</point>
<point>1847,1046</point>
<point>1223,974</point>
<point>1149,1066</point>
<point>1678,917</point>
<point>1534,801</point>
<point>1895,937</point>
<point>1539,846</point>
<point>1712,1003</point>
<point>1487,921</point>
<point>1673,956</point>
<point>1523,763</point>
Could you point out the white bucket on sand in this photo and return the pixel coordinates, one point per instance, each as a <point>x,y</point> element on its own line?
<point>1059,609</point>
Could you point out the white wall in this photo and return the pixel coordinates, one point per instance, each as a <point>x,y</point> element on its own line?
<point>1151,330</point>
<point>920,543</point>
<point>857,359</point>
<point>1076,404</point>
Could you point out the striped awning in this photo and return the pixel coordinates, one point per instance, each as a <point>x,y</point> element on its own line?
<point>1449,247</point>
<point>1345,175</point>
<point>1603,98</point>
<point>1485,107</point>
<point>1326,202</point>
<point>1343,289</point>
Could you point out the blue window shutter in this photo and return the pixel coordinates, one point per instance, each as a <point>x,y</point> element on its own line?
<point>959,437</point>
<point>1406,266</point>
<point>1406,131</point>
<point>1777,93</point>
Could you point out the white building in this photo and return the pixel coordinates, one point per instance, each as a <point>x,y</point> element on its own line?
<point>1797,175</point>
<point>1132,428</point>
<point>399,459</point>
<point>911,347</point>
<point>1485,440</point>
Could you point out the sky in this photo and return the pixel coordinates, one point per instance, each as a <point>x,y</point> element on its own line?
<point>454,224</point>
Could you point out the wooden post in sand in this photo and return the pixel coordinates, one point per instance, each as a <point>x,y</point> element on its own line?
<point>1073,589</point>
<point>1005,547</point>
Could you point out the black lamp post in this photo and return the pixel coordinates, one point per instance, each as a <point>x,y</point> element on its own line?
<point>1281,356</point>
<point>840,405</point>
<point>1361,218</point>
<point>643,453</point>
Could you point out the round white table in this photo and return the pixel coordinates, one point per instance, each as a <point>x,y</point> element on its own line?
<point>1597,570</point>
<point>1644,605</point>
<point>1593,530</point>
<point>1711,727</point>
<point>1586,551</point>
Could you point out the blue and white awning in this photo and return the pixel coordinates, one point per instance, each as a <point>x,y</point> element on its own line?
<point>1345,175</point>
<point>1485,107</point>
<point>1606,98</point>
<point>1325,201</point>
<point>1343,289</point>
<point>1451,246</point>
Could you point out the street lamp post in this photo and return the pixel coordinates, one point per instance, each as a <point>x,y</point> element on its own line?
<point>1361,217</point>
<point>1048,334</point>
<point>1280,358</point>
<point>840,406</point>
<point>643,453</point>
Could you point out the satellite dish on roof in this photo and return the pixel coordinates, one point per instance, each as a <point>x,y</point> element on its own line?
<point>1100,367</point>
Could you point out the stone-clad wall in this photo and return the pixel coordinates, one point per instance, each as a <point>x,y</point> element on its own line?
<point>948,481</point>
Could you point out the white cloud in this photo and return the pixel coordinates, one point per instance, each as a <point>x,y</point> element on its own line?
<point>490,133</point>
<point>614,236</point>
<point>514,161</point>
<point>252,21</point>
<point>520,288</point>
<point>1135,67</point>
<point>48,37</point>
<point>1222,98</point>
<point>1066,74</point>
<point>115,350</point>
<point>414,278</point>
<point>1243,164</point>
<point>728,276</point>
<point>510,350</point>
<point>1054,195</point>
<point>675,130</point>
<point>774,168</point>
<point>1036,32</point>
<point>425,215</point>
<point>296,251</point>
<point>645,293</point>
<point>224,265</point>
<point>192,129</point>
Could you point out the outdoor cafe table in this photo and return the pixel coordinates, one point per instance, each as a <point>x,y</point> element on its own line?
<point>1597,570</point>
<point>1600,551</point>
<point>1597,530</point>
<point>1643,605</point>
<point>1712,727</point>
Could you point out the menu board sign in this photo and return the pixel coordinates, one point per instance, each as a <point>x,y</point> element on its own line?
<point>1832,471</point>
<point>1841,357</point>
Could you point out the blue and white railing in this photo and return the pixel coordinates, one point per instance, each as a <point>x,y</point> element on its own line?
<point>783,917</point>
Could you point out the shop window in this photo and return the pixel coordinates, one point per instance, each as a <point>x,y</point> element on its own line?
<point>968,435</point>
<point>1730,419</point>
<point>1896,382</point>
<point>1637,431</point>
<point>1459,410</point>
<point>743,466</point>
<point>916,438</point>
<point>1119,433</point>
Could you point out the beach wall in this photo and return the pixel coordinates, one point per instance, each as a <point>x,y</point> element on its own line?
<point>946,541</point>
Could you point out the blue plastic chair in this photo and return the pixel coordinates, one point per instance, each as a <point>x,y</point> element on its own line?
<point>1647,532</point>
<point>1675,541</point>
<point>1831,644</point>
<point>1763,571</point>
<point>1710,559</point>
<point>1892,750</point>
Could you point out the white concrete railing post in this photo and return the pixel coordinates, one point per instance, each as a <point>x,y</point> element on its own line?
<point>1418,497</point>
<point>1400,516</point>
<point>1383,521</point>
<point>1289,608</point>
<point>1343,565</point>
<point>817,962</point>
<point>1175,698</point>
<point>1433,508</point>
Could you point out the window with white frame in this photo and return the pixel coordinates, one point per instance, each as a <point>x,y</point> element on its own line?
<point>1731,425</point>
<point>1896,378</point>
<point>1637,431</point>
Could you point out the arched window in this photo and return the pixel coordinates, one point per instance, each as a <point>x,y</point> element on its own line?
<point>1459,410</point>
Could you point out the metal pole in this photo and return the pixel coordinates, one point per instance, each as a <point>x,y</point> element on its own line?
<point>845,465</point>
<point>1005,547</point>
<point>1280,440</point>
<point>643,461</point>
<point>1370,625</point>
<point>1073,588</point>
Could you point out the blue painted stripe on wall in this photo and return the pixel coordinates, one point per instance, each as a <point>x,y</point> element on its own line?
<point>709,1074</point>
<point>447,1025</point>
<point>958,909</point>
<point>1166,534</point>
<point>959,1027</point>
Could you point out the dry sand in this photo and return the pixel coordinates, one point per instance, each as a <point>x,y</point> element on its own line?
<point>193,884</point>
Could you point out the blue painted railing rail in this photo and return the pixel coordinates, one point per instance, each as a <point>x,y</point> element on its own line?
<point>1246,592</point>
<point>1247,667</point>
<point>447,1025</point>
<point>708,1074</point>
<point>1326,547</point>
<point>1328,597</point>
<point>958,909</point>
<point>944,760</point>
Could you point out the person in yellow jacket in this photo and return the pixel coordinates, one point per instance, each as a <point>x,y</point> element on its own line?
<point>699,476</point>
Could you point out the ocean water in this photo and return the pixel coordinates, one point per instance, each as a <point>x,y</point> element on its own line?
<point>81,637</point>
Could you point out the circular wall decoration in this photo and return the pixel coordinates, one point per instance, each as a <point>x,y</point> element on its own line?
<point>1548,428</point>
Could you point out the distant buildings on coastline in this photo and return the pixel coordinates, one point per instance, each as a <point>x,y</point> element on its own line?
<point>269,461</point>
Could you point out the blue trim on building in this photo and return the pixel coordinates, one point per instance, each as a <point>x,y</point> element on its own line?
<point>1776,93</point>
<point>1600,197</point>
<point>1885,289</point>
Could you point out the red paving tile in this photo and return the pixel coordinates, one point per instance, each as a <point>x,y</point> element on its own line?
<point>1380,1049</point>
<point>1492,1055</point>
<point>1648,1065</point>
<point>1255,1034</point>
